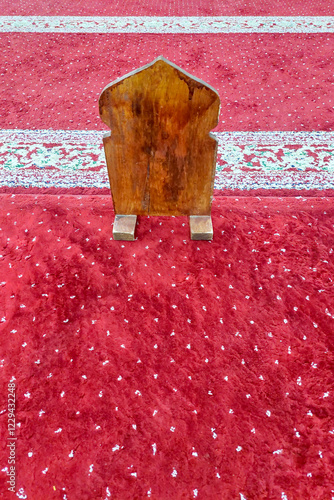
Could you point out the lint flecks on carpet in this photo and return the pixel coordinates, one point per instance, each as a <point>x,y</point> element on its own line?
<point>266,81</point>
<point>168,368</point>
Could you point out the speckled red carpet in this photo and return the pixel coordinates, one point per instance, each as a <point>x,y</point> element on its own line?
<point>165,368</point>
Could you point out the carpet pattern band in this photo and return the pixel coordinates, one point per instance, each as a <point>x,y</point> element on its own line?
<point>170,24</point>
<point>246,161</point>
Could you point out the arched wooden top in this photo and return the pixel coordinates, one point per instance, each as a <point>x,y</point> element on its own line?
<point>160,153</point>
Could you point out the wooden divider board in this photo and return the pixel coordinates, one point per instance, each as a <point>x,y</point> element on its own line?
<point>160,154</point>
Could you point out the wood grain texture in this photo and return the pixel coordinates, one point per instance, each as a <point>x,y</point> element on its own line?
<point>124,227</point>
<point>201,227</point>
<point>160,154</point>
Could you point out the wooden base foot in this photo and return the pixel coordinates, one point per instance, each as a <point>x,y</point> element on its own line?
<point>201,227</point>
<point>124,227</point>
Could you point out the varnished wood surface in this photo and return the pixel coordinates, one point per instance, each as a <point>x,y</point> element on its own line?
<point>201,227</point>
<point>160,154</point>
<point>124,227</point>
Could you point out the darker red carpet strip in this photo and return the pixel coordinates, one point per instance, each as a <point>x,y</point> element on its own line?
<point>165,368</point>
<point>168,8</point>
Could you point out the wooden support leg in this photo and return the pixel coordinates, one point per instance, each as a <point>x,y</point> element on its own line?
<point>201,227</point>
<point>124,227</point>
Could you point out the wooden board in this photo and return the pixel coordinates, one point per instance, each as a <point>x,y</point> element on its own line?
<point>160,154</point>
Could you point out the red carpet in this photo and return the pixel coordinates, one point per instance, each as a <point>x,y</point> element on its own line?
<point>168,8</point>
<point>266,81</point>
<point>165,368</point>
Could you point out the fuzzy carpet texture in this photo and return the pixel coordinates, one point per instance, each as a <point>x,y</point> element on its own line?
<point>165,368</point>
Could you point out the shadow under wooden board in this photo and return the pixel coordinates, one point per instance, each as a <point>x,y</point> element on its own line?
<point>161,157</point>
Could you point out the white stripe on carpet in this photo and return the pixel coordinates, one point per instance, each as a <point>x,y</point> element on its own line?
<point>245,160</point>
<point>146,24</point>
<point>246,181</point>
